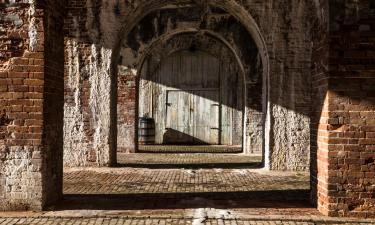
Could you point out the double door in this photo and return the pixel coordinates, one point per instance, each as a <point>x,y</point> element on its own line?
<point>192,117</point>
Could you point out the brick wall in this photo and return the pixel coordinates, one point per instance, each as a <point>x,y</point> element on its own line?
<point>346,152</point>
<point>21,96</point>
<point>26,121</point>
<point>319,69</point>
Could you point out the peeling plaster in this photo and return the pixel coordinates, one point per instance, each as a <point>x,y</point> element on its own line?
<point>100,83</point>
<point>75,149</point>
<point>33,33</point>
<point>78,147</point>
<point>19,170</point>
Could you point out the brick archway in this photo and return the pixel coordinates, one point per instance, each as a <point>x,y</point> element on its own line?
<point>343,74</point>
<point>206,41</point>
<point>244,18</point>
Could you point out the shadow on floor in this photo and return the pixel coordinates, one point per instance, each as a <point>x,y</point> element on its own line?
<point>233,200</point>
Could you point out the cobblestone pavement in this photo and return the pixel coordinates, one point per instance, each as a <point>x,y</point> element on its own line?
<point>197,160</point>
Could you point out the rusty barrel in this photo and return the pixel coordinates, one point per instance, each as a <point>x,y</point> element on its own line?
<point>146,131</point>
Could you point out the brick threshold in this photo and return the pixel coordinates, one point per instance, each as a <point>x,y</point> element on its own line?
<point>249,218</point>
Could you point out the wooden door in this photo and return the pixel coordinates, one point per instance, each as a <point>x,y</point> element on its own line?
<point>192,117</point>
<point>205,114</point>
<point>194,98</point>
<point>178,119</point>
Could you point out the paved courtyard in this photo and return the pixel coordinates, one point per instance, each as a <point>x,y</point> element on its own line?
<point>167,181</point>
<point>135,193</point>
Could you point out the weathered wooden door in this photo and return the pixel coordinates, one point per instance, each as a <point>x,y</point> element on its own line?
<point>205,116</point>
<point>192,117</point>
<point>178,120</point>
<point>194,98</point>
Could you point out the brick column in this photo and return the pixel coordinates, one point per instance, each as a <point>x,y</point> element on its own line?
<point>30,106</point>
<point>346,140</point>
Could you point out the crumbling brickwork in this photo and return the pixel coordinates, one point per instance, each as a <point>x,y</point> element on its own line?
<point>21,106</point>
<point>346,142</point>
<point>29,130</point>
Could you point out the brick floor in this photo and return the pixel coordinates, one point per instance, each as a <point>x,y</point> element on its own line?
<point>163,221</point>
<point>146,181</point>
<point>197,160</point>
<point>181,196</point>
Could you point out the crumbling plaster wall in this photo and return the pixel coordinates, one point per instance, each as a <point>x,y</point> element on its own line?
<point>285,26</point>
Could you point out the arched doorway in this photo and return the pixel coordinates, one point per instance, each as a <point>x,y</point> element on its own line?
<point>194,97</point>
<point>242,50</point>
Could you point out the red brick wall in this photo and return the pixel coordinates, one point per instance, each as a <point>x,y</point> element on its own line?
<point>30,105</point>
<point>346,153</point>
<point>126,109</point>
<point>319,71</point>
<point>21,107</point>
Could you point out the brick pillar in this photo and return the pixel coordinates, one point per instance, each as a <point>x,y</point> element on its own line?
<point>346,140</point>
<point>30,106</point>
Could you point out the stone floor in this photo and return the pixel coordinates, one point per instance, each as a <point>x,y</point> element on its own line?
<point>196,160</point>
<point>127,195</point>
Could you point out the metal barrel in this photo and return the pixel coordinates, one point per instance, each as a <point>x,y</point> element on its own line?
<point>146,131</point>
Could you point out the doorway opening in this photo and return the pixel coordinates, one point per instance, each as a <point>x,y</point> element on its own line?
<point>191,102</point>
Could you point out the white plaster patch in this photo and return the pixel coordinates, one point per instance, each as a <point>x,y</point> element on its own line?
<point>75,148</point>
<point>77,145</point>
<point>33,33</point>
<point>20,171</point>
<point>291,140</point>
<point>100,98</point>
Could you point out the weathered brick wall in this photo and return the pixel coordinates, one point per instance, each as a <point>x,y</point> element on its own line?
<point>126,111</point>
<point>346,167</point>
<point>87,109</point>
<point>21,97</point>
<point>319,108</point>
<point>26,84</point>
